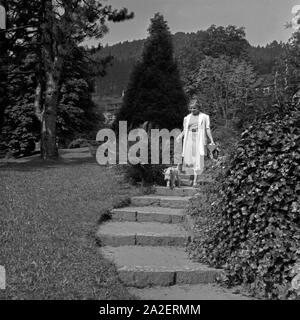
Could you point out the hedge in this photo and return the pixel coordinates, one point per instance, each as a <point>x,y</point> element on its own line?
<point>254,226</point>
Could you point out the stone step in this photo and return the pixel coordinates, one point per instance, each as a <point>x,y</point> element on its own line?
<point>157,266</point>
<point>142,233</point>
<point>162,201</point>
<point>152,214</point>
<point>210,291</point>
<point>185,183</point>
<point>179,192</point>
<point>190,172</point>
<point>200,179</point>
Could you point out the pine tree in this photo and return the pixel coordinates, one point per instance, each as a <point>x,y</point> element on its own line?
<point>154,91</point>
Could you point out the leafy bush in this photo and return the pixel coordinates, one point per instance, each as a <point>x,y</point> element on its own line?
<point>77,115</point>
<point>147,174</point>
<point>20,130</point>
<point>226,137</point>
<point>253,231</point>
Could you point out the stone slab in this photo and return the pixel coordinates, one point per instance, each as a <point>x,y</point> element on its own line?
<point>200,179</point>
<point>180,192</point>
<point>123,214</point>
<point>142,233</point>
<point>187,292</point>
<point>149,213</point>
<point>140,278</point>
<point>163,201</point>
<point>163,266</point>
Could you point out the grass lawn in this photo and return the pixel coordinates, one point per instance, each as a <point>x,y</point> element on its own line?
<point>48,218</point>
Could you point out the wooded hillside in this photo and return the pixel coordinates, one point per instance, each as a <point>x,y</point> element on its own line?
<point>125,54</point>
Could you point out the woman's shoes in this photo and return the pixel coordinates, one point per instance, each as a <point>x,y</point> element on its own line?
<point>194,184</point>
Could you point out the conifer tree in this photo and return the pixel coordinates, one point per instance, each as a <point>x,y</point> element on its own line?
<point>154,91</point>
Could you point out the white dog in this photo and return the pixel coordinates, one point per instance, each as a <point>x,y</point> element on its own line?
<point>172,177</point>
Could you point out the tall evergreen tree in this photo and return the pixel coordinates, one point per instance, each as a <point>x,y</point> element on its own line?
<point>154,91</point>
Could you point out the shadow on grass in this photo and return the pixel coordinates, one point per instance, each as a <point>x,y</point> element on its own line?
<point>67,157</point>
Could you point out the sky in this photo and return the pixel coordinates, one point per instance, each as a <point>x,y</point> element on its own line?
<point>264,20</point>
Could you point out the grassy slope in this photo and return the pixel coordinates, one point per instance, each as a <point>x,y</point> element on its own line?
<point>48,218</point>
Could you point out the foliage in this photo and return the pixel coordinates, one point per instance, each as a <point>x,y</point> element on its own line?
<point>254,227</point>
<point>154,95</point>
<point>74,116</point>
<point>215,42</point>
<point>21,127</point>
<point>52,31</point>
<point>287,72</point>
<point>77,115</point>
<point>225,137</point>
<point>189,50</point>
<point>293,57</point>
<point>225,86</point>
<point>145,174</point>
<point>20,130</point>
<point>264,58</point>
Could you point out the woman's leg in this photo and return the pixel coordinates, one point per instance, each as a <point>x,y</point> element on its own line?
<point>188,159</point>
<point>195,178</point>
<point>198,171</point>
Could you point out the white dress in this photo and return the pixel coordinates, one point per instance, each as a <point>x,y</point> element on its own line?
<point>194,143</point>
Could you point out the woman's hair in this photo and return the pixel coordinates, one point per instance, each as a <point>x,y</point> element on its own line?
<point>196,101</point>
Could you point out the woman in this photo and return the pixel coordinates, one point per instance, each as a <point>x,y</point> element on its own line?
<point>196,129</point>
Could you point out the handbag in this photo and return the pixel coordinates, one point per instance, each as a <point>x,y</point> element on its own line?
<point>213,151</point>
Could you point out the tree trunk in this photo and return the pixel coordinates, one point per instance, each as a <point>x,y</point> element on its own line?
<point>52,63</point>
<point>49,114</point>
<point>38,101</point>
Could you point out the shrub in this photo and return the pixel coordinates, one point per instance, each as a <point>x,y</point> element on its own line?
<point>254,227</point>
<point>20,130</point>
<point>226,137</point>
<point>147,174</point>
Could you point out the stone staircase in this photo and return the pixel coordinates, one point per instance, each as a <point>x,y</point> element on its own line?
<point>147,241</point>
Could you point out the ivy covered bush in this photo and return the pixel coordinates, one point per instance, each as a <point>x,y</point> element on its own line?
<point>253,229</point>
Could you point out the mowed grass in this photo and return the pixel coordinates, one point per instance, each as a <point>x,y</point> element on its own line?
<point>48,219</point>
